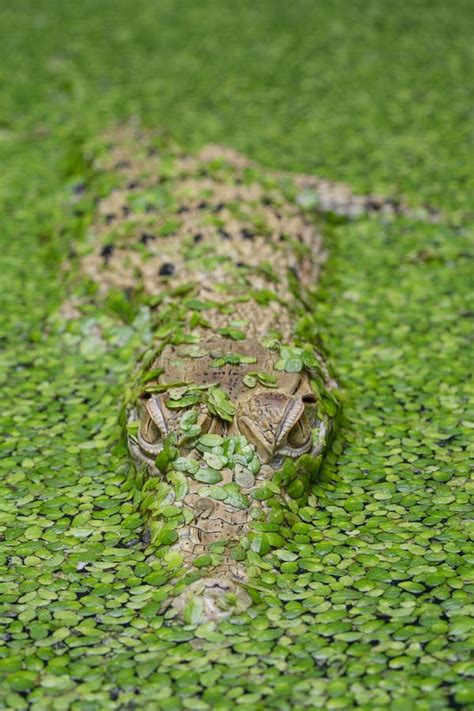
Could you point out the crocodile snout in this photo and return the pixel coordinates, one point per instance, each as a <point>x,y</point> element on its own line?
<point>211,598</point>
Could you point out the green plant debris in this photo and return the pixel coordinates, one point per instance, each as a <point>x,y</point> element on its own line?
<point>363,599</point>
<point>219,403</point>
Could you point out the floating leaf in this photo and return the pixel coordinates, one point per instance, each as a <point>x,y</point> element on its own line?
<point>193,611</point>
<point>186,464</point>
<point>185,401</point>
<point>214,461</point>
<point>211,440</point>
<point>219,403</point>
<point>234,333</point>
<point>207,476</point>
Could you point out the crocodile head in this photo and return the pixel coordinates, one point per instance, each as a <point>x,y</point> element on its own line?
<point>277,412</point>
<point>232,422</point>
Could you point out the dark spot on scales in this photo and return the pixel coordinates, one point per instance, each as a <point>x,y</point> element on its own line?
<point>217,208</point>
<point>241,264</point>
<point>146,237</point>
<point>133,184</point>
<point>109,218</point>
<point>197,238</point>
<point>126,211</point>
<point>247,234</point>
<point>373,204</point>
<point>122,164</point>
<point>224,234</point>
<point>107,251</point>
<point>202,205</point>
<point>166,269</point>
<point>182,209</point>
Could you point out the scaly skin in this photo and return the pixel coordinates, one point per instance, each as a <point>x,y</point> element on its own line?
<point>233,406</point>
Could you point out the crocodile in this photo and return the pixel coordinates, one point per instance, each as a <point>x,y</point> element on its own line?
<point>233,405</point>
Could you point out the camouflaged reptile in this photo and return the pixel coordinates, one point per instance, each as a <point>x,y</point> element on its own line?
<point>233,406</point>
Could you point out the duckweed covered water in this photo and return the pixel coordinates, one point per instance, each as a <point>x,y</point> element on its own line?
<point>372,605</point>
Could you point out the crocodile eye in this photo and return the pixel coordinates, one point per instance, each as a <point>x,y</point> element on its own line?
<point>149,431</point>
<point>299,435</point>
<point>152,429</point>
